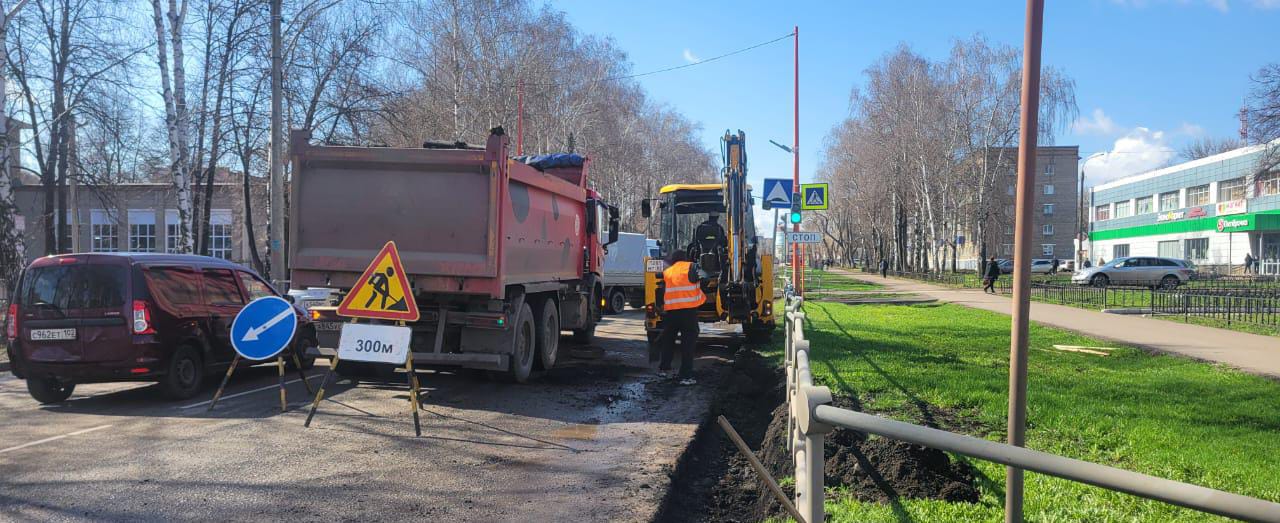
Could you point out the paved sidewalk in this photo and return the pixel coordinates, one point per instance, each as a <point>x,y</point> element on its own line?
<point>1249,352</point>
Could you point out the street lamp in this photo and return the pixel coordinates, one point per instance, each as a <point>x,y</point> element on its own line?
<point>1080,216</point>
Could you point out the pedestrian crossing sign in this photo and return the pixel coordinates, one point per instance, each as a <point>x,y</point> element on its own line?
<point>813,196</point>
<point>383,291</point>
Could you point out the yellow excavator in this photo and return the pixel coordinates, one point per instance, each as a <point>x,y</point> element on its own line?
<point>739,286</point>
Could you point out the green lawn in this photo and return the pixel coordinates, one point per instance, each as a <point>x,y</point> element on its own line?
<point>820,280</point>
<point>1161,415</point>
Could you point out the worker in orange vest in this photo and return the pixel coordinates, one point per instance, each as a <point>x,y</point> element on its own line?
<point>678,300</point>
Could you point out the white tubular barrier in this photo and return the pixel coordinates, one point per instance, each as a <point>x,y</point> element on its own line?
<point>811,417</point>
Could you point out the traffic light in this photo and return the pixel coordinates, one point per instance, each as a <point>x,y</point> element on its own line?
<point>795,212</point>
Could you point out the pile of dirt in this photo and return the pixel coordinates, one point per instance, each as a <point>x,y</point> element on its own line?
<point>869,469</point>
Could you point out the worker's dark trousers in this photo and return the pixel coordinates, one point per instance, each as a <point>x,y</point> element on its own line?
<point>683,322</point>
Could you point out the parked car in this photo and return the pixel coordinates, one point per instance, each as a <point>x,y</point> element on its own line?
<point>1165,273</point>
<point>1041,266</point>
<point>91,318</point>
<point>1006,265</point>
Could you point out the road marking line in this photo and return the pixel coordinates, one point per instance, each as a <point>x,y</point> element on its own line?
<point>55,438</point>
<point>238,394</point>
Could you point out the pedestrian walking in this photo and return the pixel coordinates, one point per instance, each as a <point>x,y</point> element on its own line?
<point>678,301</point>
<point>1248,262</point>
<point>992,274</point>
<point>1056,262</point>
<point>884,268</point>
<point>1088,263</point>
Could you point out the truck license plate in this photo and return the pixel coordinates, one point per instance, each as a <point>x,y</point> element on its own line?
<point>52,334</point>
<point>328,325</point>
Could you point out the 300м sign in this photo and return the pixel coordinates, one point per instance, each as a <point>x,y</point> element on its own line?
<point>374,343</point>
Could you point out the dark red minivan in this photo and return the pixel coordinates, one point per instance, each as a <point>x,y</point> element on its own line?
<point>91,318</point>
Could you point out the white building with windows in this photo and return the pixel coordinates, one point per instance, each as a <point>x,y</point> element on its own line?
<point>1212,212</point>
<point>141,217</point>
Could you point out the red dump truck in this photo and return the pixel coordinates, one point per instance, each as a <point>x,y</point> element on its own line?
<point>502,254</point>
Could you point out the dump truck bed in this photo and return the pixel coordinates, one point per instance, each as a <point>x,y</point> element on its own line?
<point>468,221</point>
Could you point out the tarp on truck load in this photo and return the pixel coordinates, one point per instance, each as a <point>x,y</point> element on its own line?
<point>543,162</point>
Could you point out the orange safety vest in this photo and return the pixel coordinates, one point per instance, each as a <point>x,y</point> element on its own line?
<point>679,292</point>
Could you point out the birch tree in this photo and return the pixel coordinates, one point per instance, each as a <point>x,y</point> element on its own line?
<point>173,89</point>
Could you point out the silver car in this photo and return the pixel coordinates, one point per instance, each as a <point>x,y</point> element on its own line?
<point>1166,273</point>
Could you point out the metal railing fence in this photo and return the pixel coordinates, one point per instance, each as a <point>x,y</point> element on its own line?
<point>810,417</point>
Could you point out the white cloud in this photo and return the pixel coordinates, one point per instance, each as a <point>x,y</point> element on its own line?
<point>1266,4</point>
<point>1098,123</point>
<point>690,57</point>
<point>1138,151</point>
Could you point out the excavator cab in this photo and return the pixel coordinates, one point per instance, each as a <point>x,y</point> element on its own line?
<point>713,224</point>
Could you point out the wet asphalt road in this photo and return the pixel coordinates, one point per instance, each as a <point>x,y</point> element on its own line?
<point>594,441</point>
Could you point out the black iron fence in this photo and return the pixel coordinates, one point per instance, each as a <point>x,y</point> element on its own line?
<point>1228,300</point>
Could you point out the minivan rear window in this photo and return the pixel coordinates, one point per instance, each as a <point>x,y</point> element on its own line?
<point>69,287</point>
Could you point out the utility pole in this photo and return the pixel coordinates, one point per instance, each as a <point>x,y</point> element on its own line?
<point>73,192</point>
<point>797,272</point>
<point>275,234</point>
<point>1022,252</point>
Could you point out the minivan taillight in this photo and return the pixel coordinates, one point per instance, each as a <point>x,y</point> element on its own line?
<point>12,331</point>
<point>142,318</point>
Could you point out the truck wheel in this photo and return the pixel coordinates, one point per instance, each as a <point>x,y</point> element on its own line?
<point>185,374</point>
<point>617,301</point>
<point>49,390</point>
<point>524,342</point>
<point>584,335</point>
<point>548,333</point>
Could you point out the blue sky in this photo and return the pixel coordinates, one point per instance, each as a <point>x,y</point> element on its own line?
<point>1150,74</point>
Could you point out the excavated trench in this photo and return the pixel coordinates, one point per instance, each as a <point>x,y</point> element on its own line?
<point>713,482</point>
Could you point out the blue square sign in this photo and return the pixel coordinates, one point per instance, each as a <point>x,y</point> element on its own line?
<point>777,191</point>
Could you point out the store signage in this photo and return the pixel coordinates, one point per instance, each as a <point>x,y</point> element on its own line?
<point>1232,223</point>
<point>1232,207</point>
<point>1196,212</point>
<point>1170,216</point>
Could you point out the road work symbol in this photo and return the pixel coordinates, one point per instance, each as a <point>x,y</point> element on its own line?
<point>383,291</point>
<point>263,328</point>
<point>815,196</point>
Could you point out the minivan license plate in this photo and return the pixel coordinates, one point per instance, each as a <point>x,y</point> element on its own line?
<point>328,325</point>
<point>52,334</point>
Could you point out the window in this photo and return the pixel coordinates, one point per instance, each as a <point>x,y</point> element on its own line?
<point>1047,229</point>
<point>1197,248</point>
<point>1006,249</point>
<point>1198,195</point>
<point>220,288</point>
<point>1269,183</point>
<point>1169,249</point>
<point>70,287</point>
<point>220,233</point>
<point>1046,250</point>
<point>255,288</point>
<point>104,231</point>
<point>172,234</point>
<point>1048,188</point>
<point>1048,169</point>
<point>1169,201</point>
<point>1120,251</point>
<point>174,285</point>
<point>1124,209</point>
<point>1102,212</point>
<point>142,230</point>
<point>1048,209</point>
<point>1233,189</point>
<point>1145,205</point>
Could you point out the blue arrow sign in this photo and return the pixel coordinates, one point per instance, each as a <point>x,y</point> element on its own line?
<point>777,191</point>
<point>263,328</point>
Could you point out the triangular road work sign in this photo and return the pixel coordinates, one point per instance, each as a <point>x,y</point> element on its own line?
<point>383,291</point>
